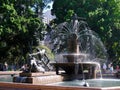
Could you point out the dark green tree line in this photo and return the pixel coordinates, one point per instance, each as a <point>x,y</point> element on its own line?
<point>20,24</point>
<point>103,16</point>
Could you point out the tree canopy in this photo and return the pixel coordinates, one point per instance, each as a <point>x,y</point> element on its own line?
<point>20,24</point>
<point>103,17</point>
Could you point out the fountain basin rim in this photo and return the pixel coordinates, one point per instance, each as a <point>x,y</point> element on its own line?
<point>72,63</point>
<point>11,86</point>
<point>76,54</point>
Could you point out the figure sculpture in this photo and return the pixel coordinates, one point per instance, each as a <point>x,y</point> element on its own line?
<point>38,65</point>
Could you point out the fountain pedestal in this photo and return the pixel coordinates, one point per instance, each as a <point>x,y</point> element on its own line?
<point>38,78</point>
<point>83,67</point>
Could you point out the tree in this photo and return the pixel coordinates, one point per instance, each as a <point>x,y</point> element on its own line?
<point>20,24</point>
<point>103,16</point>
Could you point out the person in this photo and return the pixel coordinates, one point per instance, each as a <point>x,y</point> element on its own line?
<point>104,67</point>
<point>24,68</point>
<point>13,67</point>
<point>109,65</point>
<point>117,68</point>
<point>5,66</point>
<point>111,68</point>
<point>1,67</point>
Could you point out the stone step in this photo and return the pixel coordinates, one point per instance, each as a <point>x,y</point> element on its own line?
<point>36,74</point>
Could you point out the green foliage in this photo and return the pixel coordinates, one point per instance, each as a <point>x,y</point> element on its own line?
<point>103,16</point>
<point>19,24</point>
<point>48,51</point>
<point>69,15</point>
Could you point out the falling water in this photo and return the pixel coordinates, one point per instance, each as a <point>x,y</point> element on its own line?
<point>76,70</point>
<point>99,68</point>
<point>91,44</point>
<point>76,66</point>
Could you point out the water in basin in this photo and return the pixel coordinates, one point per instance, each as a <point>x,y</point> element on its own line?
<point>91,82</point>
<point>6,78</point>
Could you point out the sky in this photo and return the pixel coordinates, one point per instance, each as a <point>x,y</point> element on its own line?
<point>47,14</point>
<point>47,9</point>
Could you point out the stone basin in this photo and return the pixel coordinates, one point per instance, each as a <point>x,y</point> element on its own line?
<point>70,68</point>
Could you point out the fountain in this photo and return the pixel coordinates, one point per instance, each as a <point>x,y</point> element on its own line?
<point>82,52</point>
<point>75,67</point>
